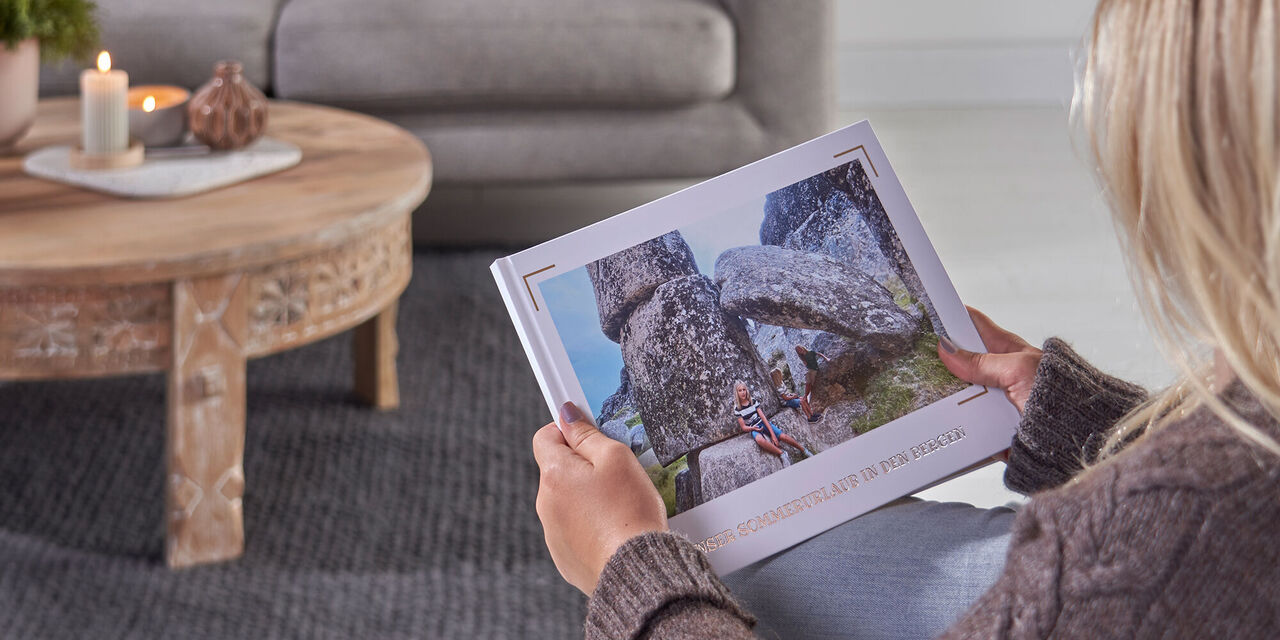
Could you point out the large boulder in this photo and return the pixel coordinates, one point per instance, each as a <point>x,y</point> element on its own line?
<point>837,230</point>
<point>639,439</point>
<point>787,208</point>
<point>627,278</point>
<point>810,290</point>
<point>852,363</point>
<point>620,400</point>
<point>683,355</point>
<point>732,464</point>
<point>838,213</point>
<point>686,491</point>
<point>865,200</point>
<point>819,436</point>
<point>647,459</point>
<point>617,428</point>
<point>777,347</point>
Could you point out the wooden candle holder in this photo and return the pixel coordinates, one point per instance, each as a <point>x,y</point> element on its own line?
<point>130,157</point>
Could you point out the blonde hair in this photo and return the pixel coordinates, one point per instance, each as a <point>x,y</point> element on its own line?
<point>1179,100</point>
<point>734,394</point>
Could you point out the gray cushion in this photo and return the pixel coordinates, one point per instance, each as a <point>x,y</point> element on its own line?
<point>504,147</point>
<point>507,53</point>
<point>176,42</point>
<point>782,96</point>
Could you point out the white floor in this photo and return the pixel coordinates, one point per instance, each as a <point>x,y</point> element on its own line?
<point>1017,219</point>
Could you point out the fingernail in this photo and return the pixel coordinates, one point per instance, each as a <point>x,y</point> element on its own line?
<point>947,344</point>
<point>569,412</point>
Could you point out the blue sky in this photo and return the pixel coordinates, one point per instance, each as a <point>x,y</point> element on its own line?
<point>569,297</point>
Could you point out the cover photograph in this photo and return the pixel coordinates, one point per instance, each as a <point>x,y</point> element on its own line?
<point>765,343</point>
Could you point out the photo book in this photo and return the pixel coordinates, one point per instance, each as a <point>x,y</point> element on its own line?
<point>765,342</point>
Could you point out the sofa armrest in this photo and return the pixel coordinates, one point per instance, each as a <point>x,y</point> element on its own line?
<point>786,66</point>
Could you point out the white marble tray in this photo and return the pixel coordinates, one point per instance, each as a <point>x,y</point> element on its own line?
<point>168,176</point>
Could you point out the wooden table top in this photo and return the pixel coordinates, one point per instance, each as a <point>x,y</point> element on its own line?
<point>356,173</point>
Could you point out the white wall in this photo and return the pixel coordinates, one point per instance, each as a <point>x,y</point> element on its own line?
<point>949,53</point>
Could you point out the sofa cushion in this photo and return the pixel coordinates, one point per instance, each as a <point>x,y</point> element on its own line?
<point>504,53</point>
<point>177,42</point>
<point>576,145</point>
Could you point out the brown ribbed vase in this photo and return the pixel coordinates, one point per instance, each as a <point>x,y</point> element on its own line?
<point>227,112</point>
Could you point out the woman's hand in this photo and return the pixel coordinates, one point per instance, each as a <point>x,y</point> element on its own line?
<point>767,429</point>
<point>1010,365</point>
<point>592,496</point>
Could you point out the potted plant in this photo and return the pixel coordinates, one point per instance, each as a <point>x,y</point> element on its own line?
<point>29,29</point>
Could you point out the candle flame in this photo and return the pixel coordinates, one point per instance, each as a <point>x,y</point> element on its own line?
<point>104,62</point>
<point>149,104</point>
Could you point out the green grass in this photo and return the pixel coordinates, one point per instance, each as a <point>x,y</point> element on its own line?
<point>930,368</point>
<point>901,296</point>
<point>633,420</point>
<point>890,393</point>
<point>664,479</point>
<point>887,402</point>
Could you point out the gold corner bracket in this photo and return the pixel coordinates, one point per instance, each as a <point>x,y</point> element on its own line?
<point>530,289</point>
<point>864,154</point>
<point>975,396</point>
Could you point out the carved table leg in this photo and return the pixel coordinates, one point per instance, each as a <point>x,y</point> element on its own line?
<point>375,349</point>
<point>205,447</point>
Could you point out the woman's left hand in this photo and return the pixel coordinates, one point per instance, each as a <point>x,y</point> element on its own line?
<point>1010,365</point>
<point>593,496</point>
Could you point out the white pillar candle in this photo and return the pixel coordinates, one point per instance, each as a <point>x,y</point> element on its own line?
<point>104,110</point>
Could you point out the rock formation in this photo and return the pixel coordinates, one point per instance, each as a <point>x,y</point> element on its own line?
<point>647,459</point>
<point>617,428</point>
<point>837,212</point>
<point>625,279</point>
<point>808,290</point>
<point>686,491</point>
<point>832,276</point>
<point>851,362</point>
<point>847,238</point>
<point>683,355</point>
<point>817,436</point>
<point>639,439</point>
<point>730,465</point>
<point>620,398</point>
<point>787,208</point>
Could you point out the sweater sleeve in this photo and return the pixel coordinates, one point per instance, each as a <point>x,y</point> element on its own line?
<point>658,585</point>
<point>1071,407</point>
<point>1093,564</point>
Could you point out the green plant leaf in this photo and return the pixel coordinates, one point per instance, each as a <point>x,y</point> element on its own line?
<point>65,28</point>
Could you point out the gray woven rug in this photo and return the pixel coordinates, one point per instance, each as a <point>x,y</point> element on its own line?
<point>413,524</point>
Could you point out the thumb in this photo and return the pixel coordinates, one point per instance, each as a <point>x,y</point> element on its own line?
<point>579,433</point>
<point>986,369</point>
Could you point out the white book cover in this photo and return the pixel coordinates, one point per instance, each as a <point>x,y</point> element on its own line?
<point>765,342</point>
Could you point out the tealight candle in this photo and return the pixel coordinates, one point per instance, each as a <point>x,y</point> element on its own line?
<point>158,114</point>
<point>103,116</point>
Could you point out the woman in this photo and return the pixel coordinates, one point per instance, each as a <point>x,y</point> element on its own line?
<point>791,400</point>
<point>810,359</point>
<point>751,419</point>
<point>1151,515</point>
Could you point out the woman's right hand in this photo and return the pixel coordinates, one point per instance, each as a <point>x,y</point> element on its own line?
<point>1010,365</point>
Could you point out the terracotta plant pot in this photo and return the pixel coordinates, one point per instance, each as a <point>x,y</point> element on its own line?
<point>227,112</point>
<point>19,89</point>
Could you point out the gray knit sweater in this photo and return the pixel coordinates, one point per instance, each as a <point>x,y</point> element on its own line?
<point>1173,538</point>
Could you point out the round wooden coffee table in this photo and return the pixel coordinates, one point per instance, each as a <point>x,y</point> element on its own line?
<point>95,285</point>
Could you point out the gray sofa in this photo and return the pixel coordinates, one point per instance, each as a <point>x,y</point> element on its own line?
<point>545,99</point>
